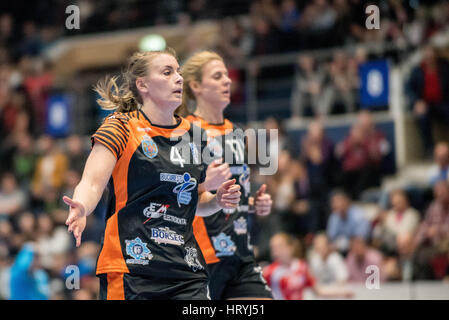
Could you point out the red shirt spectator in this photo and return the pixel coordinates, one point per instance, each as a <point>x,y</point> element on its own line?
<point>289,282</point>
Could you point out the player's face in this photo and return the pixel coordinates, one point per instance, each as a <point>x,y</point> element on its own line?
<point>215,86</point>
<point>280,250</point>
<point>164,81</point>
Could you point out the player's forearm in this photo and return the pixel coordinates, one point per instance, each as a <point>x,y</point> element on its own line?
<point>89,194</point>
<point>207,204</point>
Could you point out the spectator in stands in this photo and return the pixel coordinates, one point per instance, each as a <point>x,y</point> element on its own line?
<point>75,153</point>
<point>12,198</point>
<point>316,24</point>
<point>307,95</point>
<point>346,221</point>
<point>326,264</point>
<point>360,258</point>
<point>308,208</point>
<point>51,240</point>
<point>338,94</point>
<point>361,154</point>
<point>28,280</point>
<point>396,225</point>
<point>265,40</point>
<point>428,91</point>
<point>441,160</point>
<point>318,152</point>
<point>50,169</point>
<point>432,238</point>
<point>24,159</point>
<point>289,275</point>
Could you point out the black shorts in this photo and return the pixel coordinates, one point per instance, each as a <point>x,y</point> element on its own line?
<point>233,278</point>
<point>125,286</point>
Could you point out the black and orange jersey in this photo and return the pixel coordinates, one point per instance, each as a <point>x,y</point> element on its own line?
<point>153,198</point>
<point>225,234</point>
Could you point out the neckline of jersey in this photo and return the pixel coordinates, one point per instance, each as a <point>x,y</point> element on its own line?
<point>212,124</point>
<point>172,126</point>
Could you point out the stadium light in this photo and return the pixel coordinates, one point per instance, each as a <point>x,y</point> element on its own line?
<point>152,42</point>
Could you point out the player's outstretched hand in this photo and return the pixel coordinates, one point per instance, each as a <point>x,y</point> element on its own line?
<point>228,194</point>
<point>263,201</point>
<point>76,221</point>
<point>217,173</point>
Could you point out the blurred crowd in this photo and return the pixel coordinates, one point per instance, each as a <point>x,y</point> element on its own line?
<point>329,201</point>
<point>324,214</point>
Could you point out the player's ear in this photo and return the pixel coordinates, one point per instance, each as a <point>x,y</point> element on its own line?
<point>195,87</point>
<point>141,85</point>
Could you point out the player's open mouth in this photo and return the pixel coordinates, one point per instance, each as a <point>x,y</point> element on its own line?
<point>178,91</point>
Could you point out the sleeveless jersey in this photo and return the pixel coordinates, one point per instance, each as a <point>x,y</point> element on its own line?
<point>153,196</point>
<point>226,233</point>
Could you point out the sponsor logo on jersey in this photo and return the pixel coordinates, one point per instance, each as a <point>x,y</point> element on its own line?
<point>244,179</point>
<point>138,251</point>
<point>185,184</point>
<point>240,226</point>
<point>157,210</point>
<point>149,147</point>
<point>191,258</point>
<point>223,245</point>
<point>166,236</point>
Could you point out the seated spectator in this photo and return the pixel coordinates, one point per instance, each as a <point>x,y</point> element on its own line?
<point>75,153</point>
<point>432,238</point>
<point>345,222</point>
<point>289,275</point>
<point>317,24</point>
<point>51,240</point>
<point>12,198</point>
<point>441,160</point>
<point>24,159</point>
<point>361,154</point>
<point>50,169</point>
<point>327,265</point>
<point>360,257</point>
<point>397,224</point>
<point>307,94</point>
<point>428,91</point>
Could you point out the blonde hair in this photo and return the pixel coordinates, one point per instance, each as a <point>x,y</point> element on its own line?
<point>126,97</point>
<point>192,70</point>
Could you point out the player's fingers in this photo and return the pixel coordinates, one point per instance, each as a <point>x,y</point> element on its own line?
<point>261,190</point>
<point>216,163</point>
<point>231,196</point>
<point>225,185</point>
<point>233,188</point>
<point>69,201</point>
<point>72,217</point>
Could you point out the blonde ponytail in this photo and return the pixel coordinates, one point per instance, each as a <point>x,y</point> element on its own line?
<point>126,97</point>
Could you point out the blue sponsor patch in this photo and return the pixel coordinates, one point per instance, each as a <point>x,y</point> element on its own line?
<point>223,245</point>
<point>240,226</point>
<point>149,147</point>
<point>138,250</point>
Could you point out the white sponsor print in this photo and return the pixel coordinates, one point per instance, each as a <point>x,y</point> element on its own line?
<point>191,258</point>
<point>166,236</point>
<point>157,210</point>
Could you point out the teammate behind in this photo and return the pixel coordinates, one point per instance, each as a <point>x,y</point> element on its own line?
<point>148,249</point>
<point>224,237</point>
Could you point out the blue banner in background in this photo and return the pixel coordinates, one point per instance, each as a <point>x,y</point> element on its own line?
<point>58,115</point>
<point>374,89</point>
